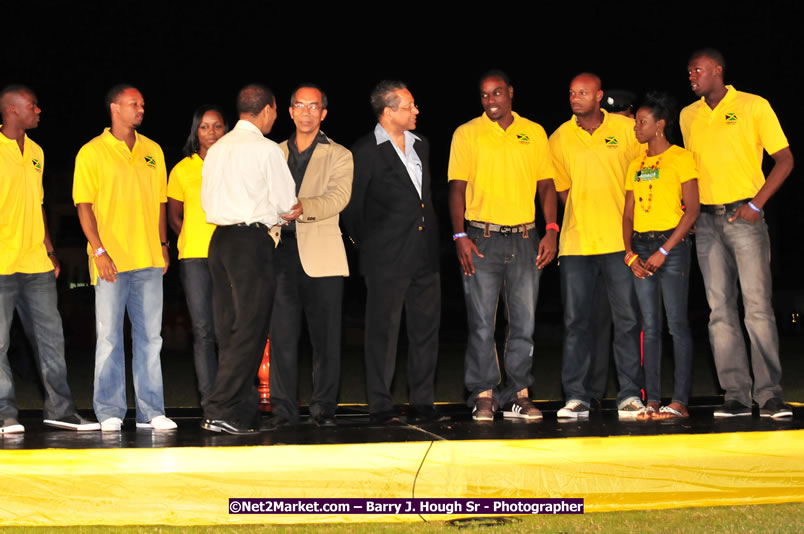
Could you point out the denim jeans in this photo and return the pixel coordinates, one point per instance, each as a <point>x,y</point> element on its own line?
<point>579,276</point>
<point>728,252</point>
<point>671,285</point>
<point>35,295</point>
<point>197,284</point>
<point>508,266</point>
<point>140,293</point>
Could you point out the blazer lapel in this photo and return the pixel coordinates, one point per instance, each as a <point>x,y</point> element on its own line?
<point>400,171</point>
<point>311,173</point>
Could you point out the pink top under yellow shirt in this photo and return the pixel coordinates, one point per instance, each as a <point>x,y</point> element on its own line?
<point>184,185</point>
<point>656,183</point>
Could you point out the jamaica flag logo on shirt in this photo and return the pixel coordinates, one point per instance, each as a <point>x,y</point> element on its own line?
<point>611,142</point>
<point>731,118</point>
<point>523,138</point>
<point>36,164</point>
<point>150,161</point>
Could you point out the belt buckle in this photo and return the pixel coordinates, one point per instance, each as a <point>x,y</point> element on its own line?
<point>506,230</point>
<point>720,209</point>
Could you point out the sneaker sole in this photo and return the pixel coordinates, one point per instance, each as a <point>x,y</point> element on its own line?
<point>573,416</point>
<point>13,429</point>
<point>724,414</point>
<point>779,415</point>
<point>483,417</point>
<point>519,415</point>
<point>628,416</point>
<point>149,426</point>
<point>69,426</point>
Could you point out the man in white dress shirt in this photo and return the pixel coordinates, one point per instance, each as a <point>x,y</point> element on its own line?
<point>247,190</point>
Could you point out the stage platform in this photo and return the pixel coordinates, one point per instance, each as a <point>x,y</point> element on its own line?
<point>186,477</point>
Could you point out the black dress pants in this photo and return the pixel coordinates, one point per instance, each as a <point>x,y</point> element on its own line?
<point>320,300</point>
<point>241,262</point>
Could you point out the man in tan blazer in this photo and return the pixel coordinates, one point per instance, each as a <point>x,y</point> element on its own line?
<point>311,263</point>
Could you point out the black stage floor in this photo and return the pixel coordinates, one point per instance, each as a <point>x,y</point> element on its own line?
<point>354,428</point>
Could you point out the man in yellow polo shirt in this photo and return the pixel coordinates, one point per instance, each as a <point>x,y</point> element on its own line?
<point>28,266</point>
<point>119,188</point>
<point>591,153</point>
<point>498,162</point>
<point>726,131</point>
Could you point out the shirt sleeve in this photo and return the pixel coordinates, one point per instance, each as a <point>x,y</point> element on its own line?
<point>85,179</point>
<point>175,186</point>
<point>686,167</point>
<point>546,172</point>
<point>460,157</point>
<point>770,131</point>
<point>162,175</point>
<point>561,177</point>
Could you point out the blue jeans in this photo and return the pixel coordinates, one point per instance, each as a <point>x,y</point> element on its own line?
<point>35,294</point>
<point>671,285</point>
<point>728,252</point>
<point>139,292</point>
<point>508,266</point>
<point>579,276</point>
<point>197,284</point>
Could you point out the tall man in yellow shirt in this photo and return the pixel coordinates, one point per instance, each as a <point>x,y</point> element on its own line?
<point>28,265</point>
<point>498,162</point>
<point>591,153</point>
<point>120,190</point>
<point>726,131</point>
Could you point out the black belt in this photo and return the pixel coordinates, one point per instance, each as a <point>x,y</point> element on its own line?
<point>722,209</point>
<point>490,227</point>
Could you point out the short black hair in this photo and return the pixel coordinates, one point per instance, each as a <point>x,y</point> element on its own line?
<point>384,96</point>
<point>192,145</point>
<point>114,93</point>
<point>713,54</point>
<point>494,73</point>
<point>14,88</point>
<point>662,106</point>
<point>253,98</point>
<point>324,101</point>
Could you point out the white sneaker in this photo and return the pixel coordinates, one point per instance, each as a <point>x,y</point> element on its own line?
<point>574,409</point>
<point>113,424</point>
<point>160,422</point>
<point>11,426</point>
<point>630,409</point>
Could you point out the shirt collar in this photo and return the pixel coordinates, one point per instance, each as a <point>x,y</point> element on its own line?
<point>320,138</point>
<point>243,124</point>
<point>730,92</point>
<point>492,123</point>
<point>114,141</point>
<point>605,118</point>
<point>381,136</point>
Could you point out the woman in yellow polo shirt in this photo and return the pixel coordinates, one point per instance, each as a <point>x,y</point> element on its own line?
<point>188,220</point>
<point>661,205</point>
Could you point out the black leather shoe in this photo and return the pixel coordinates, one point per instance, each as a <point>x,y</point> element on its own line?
<point>324,420</point>
<point>426,414</point>
<point>220,425</point>
<point>274,422</point>
<point>383,418</point>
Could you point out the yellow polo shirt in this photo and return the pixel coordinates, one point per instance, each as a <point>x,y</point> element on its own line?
<point>727,144</point>
<point>125,188</point>
<point>592,168</point>
<point>657,191</point>
<point>184,185</point>
<point>22,230</point>
<point>501,168</point>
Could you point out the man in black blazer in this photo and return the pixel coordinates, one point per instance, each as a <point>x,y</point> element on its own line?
<point>391,220</point>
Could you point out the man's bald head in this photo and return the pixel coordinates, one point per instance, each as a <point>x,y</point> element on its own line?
<point>589,78</point>
<point>19,108</point>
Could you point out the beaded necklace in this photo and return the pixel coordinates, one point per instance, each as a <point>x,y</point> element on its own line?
<point>647,174</point>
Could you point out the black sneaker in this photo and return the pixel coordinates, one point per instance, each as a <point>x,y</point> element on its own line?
<point>73,422</point>
<point>776,408</point>
<point>732,408</point>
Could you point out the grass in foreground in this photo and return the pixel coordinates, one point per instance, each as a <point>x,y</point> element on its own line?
<point>770,518</point>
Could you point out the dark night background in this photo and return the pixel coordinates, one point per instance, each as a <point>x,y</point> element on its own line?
<point>182,54</point>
